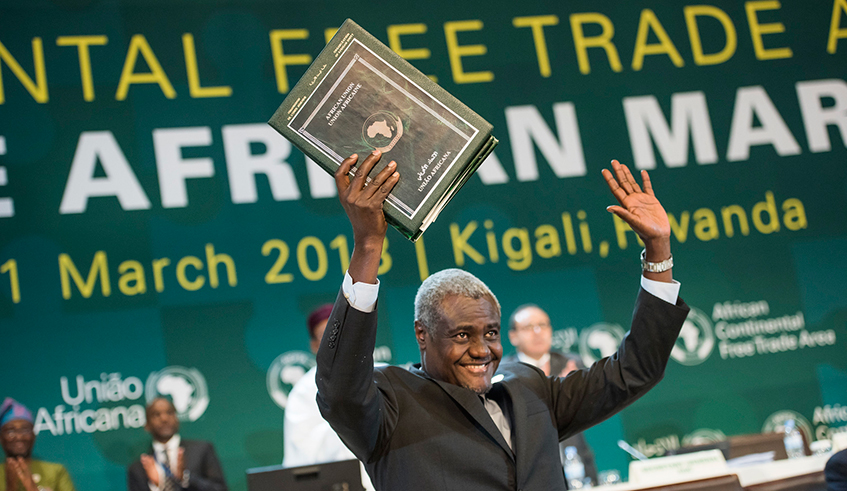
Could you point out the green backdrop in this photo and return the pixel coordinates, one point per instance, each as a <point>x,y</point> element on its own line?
<point>157,237</point>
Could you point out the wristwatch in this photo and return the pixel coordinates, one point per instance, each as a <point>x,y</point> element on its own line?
<point>660,267</point>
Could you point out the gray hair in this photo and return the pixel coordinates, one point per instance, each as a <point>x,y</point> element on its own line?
<point>442,284</point>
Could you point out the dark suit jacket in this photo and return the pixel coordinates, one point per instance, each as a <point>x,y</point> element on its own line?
<point>200,460</point>
<point>415,432</point>
<point>835,472</point>
<point>558,362</point>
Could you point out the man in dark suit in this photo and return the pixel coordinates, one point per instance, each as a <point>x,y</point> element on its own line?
<point>531,333</point>
<point>835,472</point>
<point>173,463</point>
<point>450,423</point>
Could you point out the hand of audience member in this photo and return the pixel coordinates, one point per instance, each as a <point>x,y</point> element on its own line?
<point>180,464</point>
<point>149,464</point>
<point>19,467</point>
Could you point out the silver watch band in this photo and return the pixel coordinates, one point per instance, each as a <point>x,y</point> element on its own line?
<point>659,267</point>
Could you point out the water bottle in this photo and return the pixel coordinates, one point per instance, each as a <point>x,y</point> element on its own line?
<point>574,469</point>
<point>793,440</point>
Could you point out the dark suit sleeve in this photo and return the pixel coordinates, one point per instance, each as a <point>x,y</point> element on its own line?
<point>206,471</point>
<point>588,396</point>
<point>348,398</point>
<point>835,471</point>
<point>136,478</point>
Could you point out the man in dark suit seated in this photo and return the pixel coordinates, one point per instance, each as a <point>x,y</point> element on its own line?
<point>173,463</point>
<point>835,472</point>
<point>450,423</point>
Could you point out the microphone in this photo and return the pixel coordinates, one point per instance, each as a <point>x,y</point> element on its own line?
<point>626,447</point>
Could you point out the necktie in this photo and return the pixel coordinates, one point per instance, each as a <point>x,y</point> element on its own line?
<point>169,481</point>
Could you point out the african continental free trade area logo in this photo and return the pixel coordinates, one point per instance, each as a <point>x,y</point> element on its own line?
<point>670,442</point>
<point>285,371</point>
<point>693,346</point>
<point>113,402</point>
<point>599,341</point>
<point>775,423</point>
<point>288,368</point>
<point>696,339</point>
<point>703,436</point>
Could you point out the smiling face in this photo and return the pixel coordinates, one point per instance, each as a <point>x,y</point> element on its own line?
<point>17,438</point>
<point>464,347</point>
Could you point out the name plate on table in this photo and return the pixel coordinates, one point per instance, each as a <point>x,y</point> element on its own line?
<point>839,441</point>
<point>678,468</point>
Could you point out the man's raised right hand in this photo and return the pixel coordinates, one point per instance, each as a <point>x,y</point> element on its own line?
<point>362,201</point>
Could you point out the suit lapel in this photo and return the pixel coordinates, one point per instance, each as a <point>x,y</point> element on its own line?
<point>189,455</point>
<point>471,403</point>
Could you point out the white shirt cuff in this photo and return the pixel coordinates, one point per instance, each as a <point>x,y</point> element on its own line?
<point>361,296</point>
<point>669,292</point>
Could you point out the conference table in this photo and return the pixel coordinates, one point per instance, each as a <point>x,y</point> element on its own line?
<point>801,474</point>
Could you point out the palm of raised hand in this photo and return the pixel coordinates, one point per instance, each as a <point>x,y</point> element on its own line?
<point>649,219</point>
<point>638,208</point>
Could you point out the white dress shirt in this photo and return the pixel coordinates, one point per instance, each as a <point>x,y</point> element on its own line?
<point>539,363</point>
<point>307,437</point>
<point>165,452</point>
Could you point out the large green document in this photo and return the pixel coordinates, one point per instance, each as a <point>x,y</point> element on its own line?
<point>358,96</point>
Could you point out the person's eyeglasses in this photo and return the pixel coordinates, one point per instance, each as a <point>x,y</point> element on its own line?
<point>539,327</point>
<point>17,432</point>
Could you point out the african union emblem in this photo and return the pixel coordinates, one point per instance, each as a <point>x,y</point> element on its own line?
<point>696,339</point>
<point>775,423</point>
<point>599,341</point>
<point>382,130</point>
<point>703,436</point>
<point>285,371</point>
<point>186,387</point>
